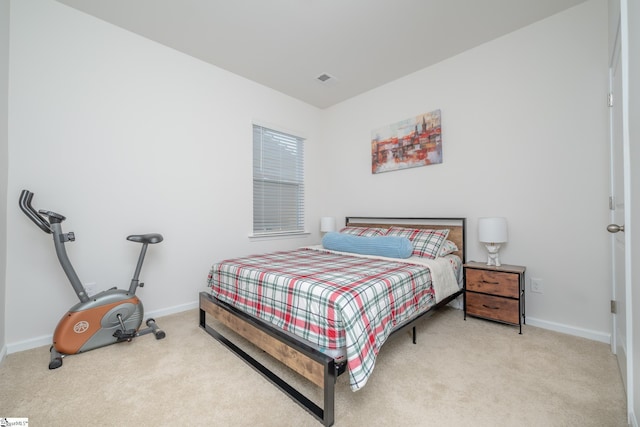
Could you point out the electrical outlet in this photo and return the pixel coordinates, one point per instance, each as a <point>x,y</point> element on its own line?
<point>90,288</point>
<point>536,285</point>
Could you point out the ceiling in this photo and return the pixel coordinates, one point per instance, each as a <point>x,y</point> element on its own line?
<point>287,44</point>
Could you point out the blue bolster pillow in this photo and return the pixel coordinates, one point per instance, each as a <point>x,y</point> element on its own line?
<point>388,246</point>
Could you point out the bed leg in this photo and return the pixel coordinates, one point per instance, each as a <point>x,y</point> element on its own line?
<point>328,414</point>
<point>413,333</point>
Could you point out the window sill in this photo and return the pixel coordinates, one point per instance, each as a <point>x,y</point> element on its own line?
<point>279,235</point>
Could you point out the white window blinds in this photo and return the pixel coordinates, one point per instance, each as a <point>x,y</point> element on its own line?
<point>278,182</point>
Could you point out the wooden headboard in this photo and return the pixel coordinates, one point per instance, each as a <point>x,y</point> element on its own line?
<point>456,226</point>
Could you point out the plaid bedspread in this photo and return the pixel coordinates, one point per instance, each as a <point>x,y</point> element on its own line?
<point>328,299</point>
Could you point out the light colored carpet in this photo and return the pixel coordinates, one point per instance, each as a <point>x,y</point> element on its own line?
<point>460,373</point>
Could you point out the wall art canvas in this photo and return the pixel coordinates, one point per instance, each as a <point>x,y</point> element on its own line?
<point>407,144</point>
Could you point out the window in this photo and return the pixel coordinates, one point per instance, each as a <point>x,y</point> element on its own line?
<point>278,182</point>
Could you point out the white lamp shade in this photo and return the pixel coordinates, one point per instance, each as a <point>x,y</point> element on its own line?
<point>327,224</point>
<point>492,230</point>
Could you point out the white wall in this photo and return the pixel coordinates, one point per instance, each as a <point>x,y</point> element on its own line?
<point>4,86</point>
<point>125,136</point>
<point>525,136</point>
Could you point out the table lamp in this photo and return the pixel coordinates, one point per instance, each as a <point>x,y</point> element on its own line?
<point>327,224</point>
<point>492,232</point>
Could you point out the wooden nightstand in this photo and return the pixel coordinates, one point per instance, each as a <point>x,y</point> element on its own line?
<point>494,293</point>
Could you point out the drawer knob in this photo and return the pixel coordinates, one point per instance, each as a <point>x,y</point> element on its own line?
<point>491,308</point>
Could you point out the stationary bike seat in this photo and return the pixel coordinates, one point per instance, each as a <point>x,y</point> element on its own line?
<point>146,238</point>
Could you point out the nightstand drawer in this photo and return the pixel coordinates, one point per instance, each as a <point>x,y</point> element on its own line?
<point>497,308</point>
<point>493,282</point>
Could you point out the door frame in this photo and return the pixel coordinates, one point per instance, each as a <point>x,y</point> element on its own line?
<point>623,35</point>
<point>614,97</point>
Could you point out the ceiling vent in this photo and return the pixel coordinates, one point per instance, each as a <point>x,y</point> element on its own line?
<point>325,78</point>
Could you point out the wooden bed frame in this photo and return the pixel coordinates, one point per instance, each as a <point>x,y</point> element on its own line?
<point>312,364</point>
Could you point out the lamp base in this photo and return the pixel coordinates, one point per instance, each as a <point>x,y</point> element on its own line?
<point>494,256</point>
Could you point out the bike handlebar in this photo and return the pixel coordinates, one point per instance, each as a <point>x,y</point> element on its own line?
<point>29,211</point>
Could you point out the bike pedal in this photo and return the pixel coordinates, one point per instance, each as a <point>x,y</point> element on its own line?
<point>124,336</point>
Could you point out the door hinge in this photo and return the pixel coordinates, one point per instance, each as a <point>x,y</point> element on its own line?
<point>614,308</point>
<point>610,100</point>
<point>612,203</point>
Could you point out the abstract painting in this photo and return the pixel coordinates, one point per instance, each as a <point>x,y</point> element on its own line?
<point>407,144</point>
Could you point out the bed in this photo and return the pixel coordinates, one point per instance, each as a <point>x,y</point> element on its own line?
<point>323,311</point>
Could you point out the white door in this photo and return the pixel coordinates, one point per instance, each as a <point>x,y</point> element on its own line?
<point>622,333</point>
<point>619,341</point>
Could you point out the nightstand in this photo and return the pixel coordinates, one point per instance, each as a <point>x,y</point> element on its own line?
<point>494,293</point>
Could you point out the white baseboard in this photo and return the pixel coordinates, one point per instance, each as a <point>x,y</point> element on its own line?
<point>3,353</point>
<point>570,330</point>
<point>173,310</point>
<point>558,327</point>
<point>29,344</point>
<point>46,339</point>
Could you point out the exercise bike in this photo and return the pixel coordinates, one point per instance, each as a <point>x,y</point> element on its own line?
<point>109,317</point>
